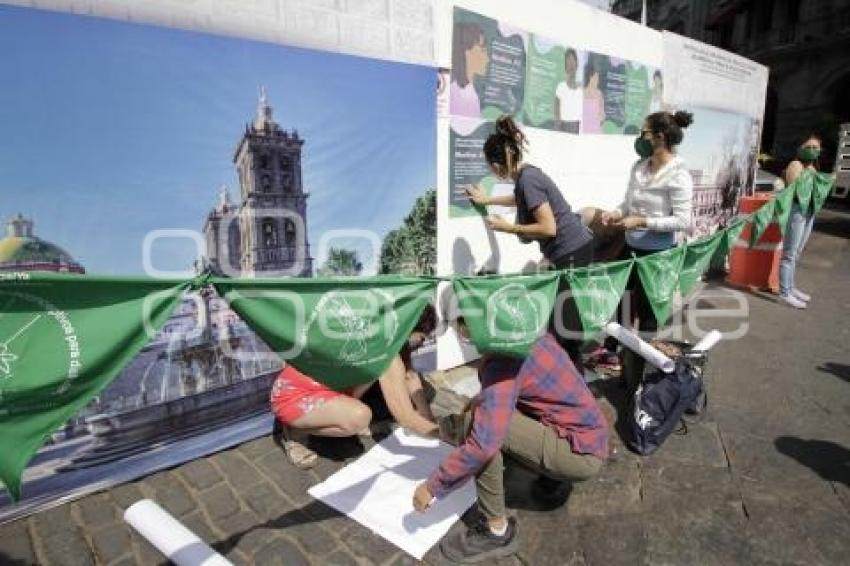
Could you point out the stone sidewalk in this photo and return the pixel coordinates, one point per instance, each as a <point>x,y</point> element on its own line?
<point>764,478</point>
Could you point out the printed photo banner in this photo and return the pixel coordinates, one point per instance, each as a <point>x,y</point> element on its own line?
<point>341,331</point>
<point>63,338</point>
<point>499,69</point>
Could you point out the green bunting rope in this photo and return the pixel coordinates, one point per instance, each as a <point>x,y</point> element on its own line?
<point>65,337</point>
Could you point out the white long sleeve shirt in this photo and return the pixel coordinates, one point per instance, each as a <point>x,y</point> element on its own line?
<point>663,198</point>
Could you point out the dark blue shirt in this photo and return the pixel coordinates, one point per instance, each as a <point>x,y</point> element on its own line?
<point>534,188</point>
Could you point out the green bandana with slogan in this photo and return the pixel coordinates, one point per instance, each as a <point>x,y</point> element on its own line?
<point>597,291</point>
<point>659,275</point>
<point>63,338</point>
<point>698,256</point>
<point>340,331</point>
<point>506,314</point>
<point>762,218</point>
<point>823,186</point>
<point>803,186</point>
<point>784,199</point>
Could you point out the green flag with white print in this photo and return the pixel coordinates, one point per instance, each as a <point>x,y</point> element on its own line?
<point>597,291</point>
<point>784,199</point>
<point>506,314</point>
<point>341,331</point>
<point>803,186</point>
<point>659,275</point>
<point>762,218</point>
<point>822,187</point>
<point>63,338</point>
<point>698,256</point>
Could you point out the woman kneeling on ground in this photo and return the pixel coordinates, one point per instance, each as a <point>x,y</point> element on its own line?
<point>302,406</point>
<point>540,412</point>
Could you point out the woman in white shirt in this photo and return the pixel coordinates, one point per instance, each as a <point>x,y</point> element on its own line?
<point>657,205</point>
<point>569,96</point>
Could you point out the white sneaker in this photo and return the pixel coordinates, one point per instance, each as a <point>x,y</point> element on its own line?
<point>792,301</point>
<point>801,295</point>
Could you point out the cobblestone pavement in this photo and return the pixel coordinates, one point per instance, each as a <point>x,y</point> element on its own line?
<point>764,478</point>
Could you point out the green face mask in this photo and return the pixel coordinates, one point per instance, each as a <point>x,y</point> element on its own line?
<point>808,153</point>
<point>643,147</point>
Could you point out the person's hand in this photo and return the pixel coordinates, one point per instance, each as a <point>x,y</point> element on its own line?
<point>497,223</point>
<point>422,498</point>
<point>476,195</point>
<point>631,222</point>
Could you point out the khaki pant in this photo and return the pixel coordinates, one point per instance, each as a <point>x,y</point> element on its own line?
<point>537,447</point>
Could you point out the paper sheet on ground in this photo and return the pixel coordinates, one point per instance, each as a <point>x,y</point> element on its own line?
<point>376,490</point>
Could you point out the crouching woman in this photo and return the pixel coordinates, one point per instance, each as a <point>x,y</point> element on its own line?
<point>540,412</point>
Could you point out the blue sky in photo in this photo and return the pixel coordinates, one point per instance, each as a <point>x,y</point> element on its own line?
<point>109,130</point>
<point>712,132</point>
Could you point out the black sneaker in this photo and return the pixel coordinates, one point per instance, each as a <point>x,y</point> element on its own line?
<point>478,543</point>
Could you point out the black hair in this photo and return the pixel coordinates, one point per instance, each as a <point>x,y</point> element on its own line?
<point>590,67</point>
<point>467,35</point>
<point>505,145</point>
<point>670,125</point>
<point>657,74</point>
<point>567,53</point>
<point>809,136</point>
<point>427,320</point>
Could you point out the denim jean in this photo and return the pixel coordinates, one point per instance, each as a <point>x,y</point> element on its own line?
<point>797,233</point>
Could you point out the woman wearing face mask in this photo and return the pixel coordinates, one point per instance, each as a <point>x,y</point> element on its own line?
<point>543,215</point>
<point>657,205</point>
<point>799,226</point>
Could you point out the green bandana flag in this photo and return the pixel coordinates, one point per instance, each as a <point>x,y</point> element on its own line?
<point>823,186</point>
<point>597,291</point>
<point>732,234</point>
<point>63,338</point>
<point>659,275</point>
<point>784,199</point>
<point>698,255</point>
<point>803,186</point>
<point>341,331</point>
<point>506,315</point>
<point>762,218</point>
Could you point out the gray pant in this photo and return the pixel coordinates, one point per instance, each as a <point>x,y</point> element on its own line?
<point>537,447</point>
<point>797,233</point>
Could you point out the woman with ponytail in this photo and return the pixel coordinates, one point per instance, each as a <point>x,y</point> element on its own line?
<point>543,215</point>
<point>799,226</point>
<point>656,208</point>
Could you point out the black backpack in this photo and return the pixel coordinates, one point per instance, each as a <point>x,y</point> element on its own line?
<point>662,400</point>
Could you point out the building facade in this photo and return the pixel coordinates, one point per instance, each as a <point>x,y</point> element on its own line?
<point>266,232</point>
<point>806,46</point>
<point>22,250</point>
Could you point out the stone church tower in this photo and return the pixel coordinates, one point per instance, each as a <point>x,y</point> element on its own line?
<point>267,230</point>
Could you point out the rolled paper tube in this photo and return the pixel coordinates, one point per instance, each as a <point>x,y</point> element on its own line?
<point>170,537</point>
<point>633,342</point>
<point>708,341</point>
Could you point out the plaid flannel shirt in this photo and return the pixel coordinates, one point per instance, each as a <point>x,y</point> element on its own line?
<point>544,386</point>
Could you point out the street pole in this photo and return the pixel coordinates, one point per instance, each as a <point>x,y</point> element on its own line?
<point>643,14</point>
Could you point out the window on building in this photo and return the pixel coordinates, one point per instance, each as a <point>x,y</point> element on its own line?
<point>289,232</point>
<point>263,161</point>
<point>266,183</point>
<point>269,231</point>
